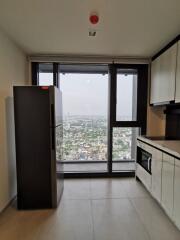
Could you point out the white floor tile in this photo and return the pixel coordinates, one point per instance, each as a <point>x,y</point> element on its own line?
<point>116,219</point>
<point>93,209</point>
<point>107,188</point>
<point>135,189</point>
<point>155,220</point>
<point>73,222</point>
<point>76,189</point>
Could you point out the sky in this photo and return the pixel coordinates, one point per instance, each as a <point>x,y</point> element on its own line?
<point>87,94</point>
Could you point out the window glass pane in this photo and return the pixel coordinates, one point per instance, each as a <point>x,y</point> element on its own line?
<point>45,74</point>
<point>126,107</point>
<point>124,148</point>
<point>84,121</point>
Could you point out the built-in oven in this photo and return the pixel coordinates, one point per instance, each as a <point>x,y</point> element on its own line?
<point>144,159</point>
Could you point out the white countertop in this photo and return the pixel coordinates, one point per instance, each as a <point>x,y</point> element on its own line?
<point>170,146</point>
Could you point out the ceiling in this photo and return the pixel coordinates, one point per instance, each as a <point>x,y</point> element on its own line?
<point>132,28</point>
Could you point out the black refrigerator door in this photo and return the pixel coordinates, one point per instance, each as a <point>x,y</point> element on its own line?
<point>33,147</point>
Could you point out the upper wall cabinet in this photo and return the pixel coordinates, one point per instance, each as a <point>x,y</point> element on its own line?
<point>163,74</point>
<point>177,96</point>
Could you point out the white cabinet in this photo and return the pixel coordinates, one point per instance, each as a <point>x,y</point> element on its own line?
<point>176,212</point>
<point>155,80</point>
<point>177,96</point>
<point>163,73</point>
<point>156,169</point>
<point>144,176</point>
<point>167,183</point>
<point>164,181</point>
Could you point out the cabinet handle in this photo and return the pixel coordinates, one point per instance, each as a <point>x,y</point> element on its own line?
<point>52,139</point>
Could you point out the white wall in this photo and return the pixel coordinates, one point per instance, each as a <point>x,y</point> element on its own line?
<point>13,71</point>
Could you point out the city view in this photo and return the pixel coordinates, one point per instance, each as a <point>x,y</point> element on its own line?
<point>85,139</point>
<point>85,128</point>
<point>85,101</point>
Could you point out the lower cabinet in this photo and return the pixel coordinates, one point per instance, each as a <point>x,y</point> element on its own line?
<point>163,182</point>
<point>176,212</point>
<point>144,176</point>
<point>156,169</point>
<point>167,183</point>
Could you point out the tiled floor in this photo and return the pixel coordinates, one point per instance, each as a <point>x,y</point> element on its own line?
<point>93,209</point>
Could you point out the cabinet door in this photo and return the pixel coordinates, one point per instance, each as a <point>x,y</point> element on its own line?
<point>167,183</point>
<point>156,170</point>
<point>144,176</point>
<point>177,96</point>
<point>155,80</point>
<point>163,72</point>
<point>176,212</point>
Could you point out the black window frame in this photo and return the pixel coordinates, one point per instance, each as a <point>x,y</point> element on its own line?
<point>35,73</point>
<point>142,94</point>
<point>141,122</point>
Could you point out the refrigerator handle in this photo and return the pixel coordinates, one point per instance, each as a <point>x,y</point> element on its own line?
<point>52,127</point>
<point>52,138</point>
<point>52,116</point>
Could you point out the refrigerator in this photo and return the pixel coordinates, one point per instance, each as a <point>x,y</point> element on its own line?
<point>38,137</point>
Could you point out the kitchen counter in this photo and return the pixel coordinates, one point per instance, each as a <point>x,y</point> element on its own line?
<point>171,147</point>
<point>163,179</point>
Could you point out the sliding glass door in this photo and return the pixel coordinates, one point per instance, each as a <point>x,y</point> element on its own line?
<point>85,98</point>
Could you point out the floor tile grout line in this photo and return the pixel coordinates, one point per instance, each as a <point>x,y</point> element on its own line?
<point>145,228</point>
<point>146,197</point>
<point>128,195</point>
<point>92,217</point>
<point>134,209</point>
<point>91,203</point>
<point>102,198</point>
